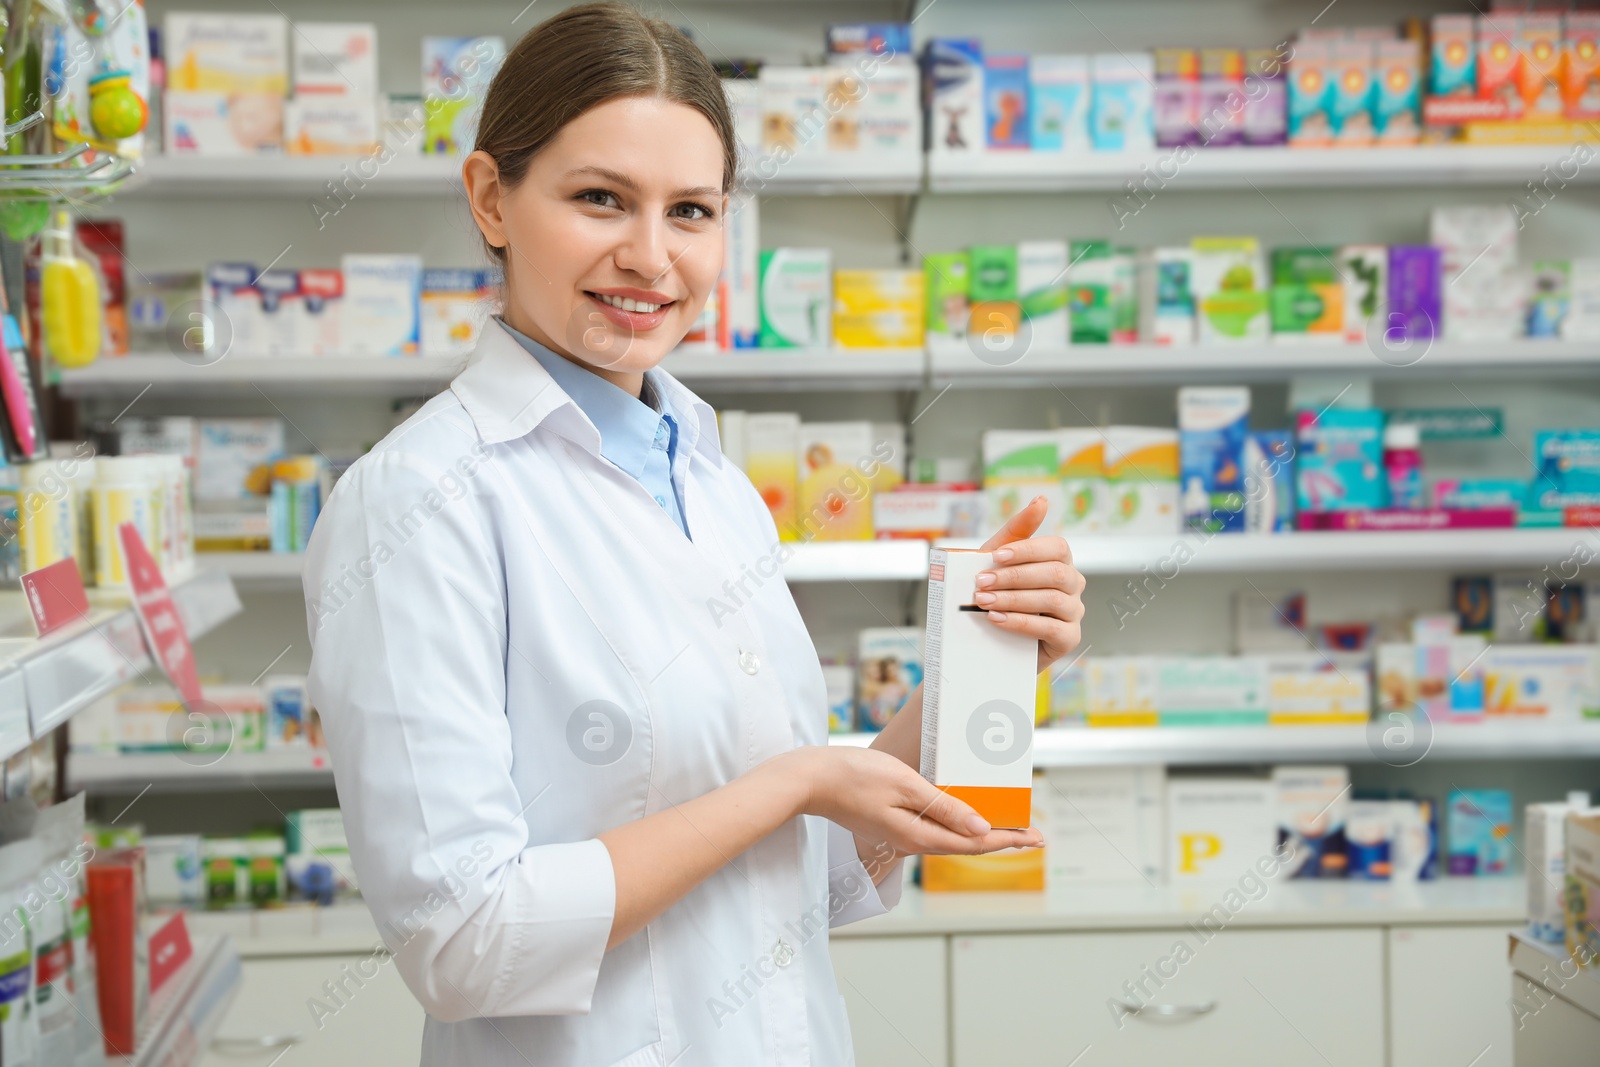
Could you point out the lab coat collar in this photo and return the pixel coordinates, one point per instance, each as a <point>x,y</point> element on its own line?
<point>508,394</point>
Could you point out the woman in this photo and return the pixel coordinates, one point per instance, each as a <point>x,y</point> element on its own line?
<point>595,817</point>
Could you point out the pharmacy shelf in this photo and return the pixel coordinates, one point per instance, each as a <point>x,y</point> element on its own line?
<point>795,370</point>
<point>752,371</point>
<point>1242,168</point>
<point>168,375</point>
<point>1145,364</point>
<point>1373,742</point>
<point>329,182</point>
<point>183,1015</point>
<point>1169,556</point>
<point>1132,904</point>
<point>193,772</point>
<point>68,670</point>
<point>816,561</point>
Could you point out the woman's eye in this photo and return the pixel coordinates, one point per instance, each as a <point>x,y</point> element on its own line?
<point>598,197</point>
<point>693,212</point>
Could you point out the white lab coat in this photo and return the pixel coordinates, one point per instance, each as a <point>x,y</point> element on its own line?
<point>514,650</point>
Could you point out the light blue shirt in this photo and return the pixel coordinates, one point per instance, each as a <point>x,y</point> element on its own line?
<point>635,435</point>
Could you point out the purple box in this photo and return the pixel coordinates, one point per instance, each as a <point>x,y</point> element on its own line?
<point>1266,98</point>
<point>1176,105</point>
<point>1413,294</point>
<point>1222,97</point>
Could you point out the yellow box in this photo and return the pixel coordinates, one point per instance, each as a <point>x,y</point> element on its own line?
<point>878,308</point>
<point>771,464</point>
<point>1019,870</point>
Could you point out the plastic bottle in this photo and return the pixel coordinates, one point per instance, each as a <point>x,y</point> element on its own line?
<point>47,515</point>
<point>1402,462</point>
<point>69,297</point>
<point>126,489</point>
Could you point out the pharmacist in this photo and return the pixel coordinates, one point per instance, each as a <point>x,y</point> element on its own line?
<point>596,820</point>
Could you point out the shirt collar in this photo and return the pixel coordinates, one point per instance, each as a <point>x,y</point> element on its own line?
<point>508,395</point>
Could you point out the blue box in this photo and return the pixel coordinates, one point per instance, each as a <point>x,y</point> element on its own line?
<point>1566,469</point>
<point>885,39</point>
<point>1122,102</point>
<point>1005,100</point>
<point>1058,103</point>
<point>1479,840</point>
<point>1212,426</point>
<point>1339,460</point>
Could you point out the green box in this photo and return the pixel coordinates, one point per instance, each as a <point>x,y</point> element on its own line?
<point>1302,265</point>
<point>1090,278</point>
<point>947,278</point>
<point>993,273</point>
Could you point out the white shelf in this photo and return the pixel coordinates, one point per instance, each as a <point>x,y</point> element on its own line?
<point>181,772</point>
<point>167,374</point>
<point>818,370</point>
<point>1240,168</point>
<point>184,1014</point>
<point>1061,746</point>
<point>814,561</point>
<point>408,173</point>
<point>1146,364</point>
<point>66,671</point>
<point>1136,905</point>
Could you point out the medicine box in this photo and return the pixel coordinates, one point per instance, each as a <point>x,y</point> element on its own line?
<point>1080,454</point>
<point>1479,831</point>
<point>321,310</point>
<point>381,304</point>
<point>454,306</point>
<point>1176,106</point>
<point>739,296</point>
<point>796,290</point>
<point>955,74</point>
<point>172,869</point>
<point>839,684</point>
<point>231,288</point>
<point>227,53</point>
<point>1090,280</point>
<point>1311,73</point>
<point>1102,824</point>
<point>1124,295</point>
<point>889,660</point>
<point>1581,892</point>
<point>222,124</point>
<point>1554,681</point>
<point>329,126</point>
<point>1211,691</point>
<point>1166,300</point>
<point>456,72</point>
<point>978,697</point>
<point>1217,828</point>
<point>1005,100</point>
<point>1545,846</point>
<point>1122,102</point>
<point>336,59</point>
<point>1042,286</point>
<point>1266,119</point>
<point>878,308</point>
<point>1566,467</point>
<point>1452,66</point>
<point>1339,460</point>
<point>228,450</point>
<point>1365,272</point>
<point>1141,465</point>
<point>1058,103</point>
<point>1311,804</point>
<point>1212,423</point>
<point>1580,78</point>
<point>1229,282</point>
<point>1312,689</point>
<point>993,276</point>
<point>1222,99</point>
<point>1307,295</point>
<point>280,312</point>
<point>1397,86</point>
<point>834,501</point>
<point>1351,93</point>
<point>889,118</point>
<point>1122,691</point>
<point>946,287</point>
<point>853,41</point>
<point>1269,497</point>
<point>771,444</point>
<point>1019,465</point>
<point>1370,840</point>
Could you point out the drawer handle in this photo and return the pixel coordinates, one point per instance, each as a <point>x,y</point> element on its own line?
<point>1168,1011</point>
<point>244,1046</point>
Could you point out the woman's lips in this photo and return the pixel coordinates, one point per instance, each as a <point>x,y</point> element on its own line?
<point>631,320</point>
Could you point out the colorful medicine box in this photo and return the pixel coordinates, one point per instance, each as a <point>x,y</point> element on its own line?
<point>1141,466</point>
<point>946,285</point>
<point>1479,823</point>
<point>1339,460</point>
<point>796,294</point>
<point>1307,295</point>
<point>878,308</point>
<point>1005,100</point>
<point>1120,116</point>
<point>1212,426</point>
<point>954,72</point>
<point>1058,103</point>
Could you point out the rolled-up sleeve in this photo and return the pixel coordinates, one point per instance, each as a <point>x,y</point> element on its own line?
<point>852,896</point>
<point>406,607</point>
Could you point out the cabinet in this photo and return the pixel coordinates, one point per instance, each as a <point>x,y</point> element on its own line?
<point>894,991</point>
<point>1447,996</point>
<point>1287,997</point>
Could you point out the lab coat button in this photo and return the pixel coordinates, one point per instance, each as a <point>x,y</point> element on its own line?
<point>749,662</point>
<point>782,954</point>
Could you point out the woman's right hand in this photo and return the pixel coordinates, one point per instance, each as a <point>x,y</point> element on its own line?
<point>880,799</point>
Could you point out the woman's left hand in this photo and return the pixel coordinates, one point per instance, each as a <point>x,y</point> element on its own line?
<point>1033,589</point>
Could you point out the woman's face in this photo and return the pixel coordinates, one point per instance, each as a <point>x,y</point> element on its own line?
<point>614,238</point>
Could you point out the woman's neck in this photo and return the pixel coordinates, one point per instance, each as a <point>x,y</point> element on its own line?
<point>631,382</point>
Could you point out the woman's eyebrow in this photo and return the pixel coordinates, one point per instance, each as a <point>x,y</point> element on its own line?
<point>618,178</point>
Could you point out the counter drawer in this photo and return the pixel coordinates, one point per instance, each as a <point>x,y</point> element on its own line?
<point>1286,997</point>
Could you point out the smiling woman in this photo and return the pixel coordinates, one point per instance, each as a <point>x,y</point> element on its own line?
<point>644,828</point>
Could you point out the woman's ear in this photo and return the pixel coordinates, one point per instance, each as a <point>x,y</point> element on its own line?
<point>481,176</point>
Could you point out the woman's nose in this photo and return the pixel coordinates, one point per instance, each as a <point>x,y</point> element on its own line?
<point>646,249</point>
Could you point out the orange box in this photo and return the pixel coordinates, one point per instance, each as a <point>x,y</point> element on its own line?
<point>1580,78</point>
<point>1539,78</point>
<point>1019,870</point>
<point>1499,62</point>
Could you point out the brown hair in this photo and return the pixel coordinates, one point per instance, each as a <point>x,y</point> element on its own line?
<point>584,57</point>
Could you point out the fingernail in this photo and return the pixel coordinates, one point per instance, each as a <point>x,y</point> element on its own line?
<point>997,616</point>
<point>977,824</point>
<point>1002,554</point>
<point>984,599</point>
<point>985,579</point>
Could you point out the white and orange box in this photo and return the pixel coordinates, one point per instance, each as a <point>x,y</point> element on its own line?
<point>978,694</point>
